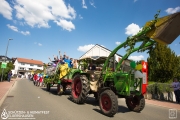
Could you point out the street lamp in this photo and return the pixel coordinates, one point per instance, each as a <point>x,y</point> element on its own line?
<point>5,57</point>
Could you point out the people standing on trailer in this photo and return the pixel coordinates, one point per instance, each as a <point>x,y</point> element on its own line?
<point>68,61</point>
<point>71,62</point>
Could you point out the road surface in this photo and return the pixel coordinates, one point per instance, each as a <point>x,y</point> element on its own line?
<point>24,97</point>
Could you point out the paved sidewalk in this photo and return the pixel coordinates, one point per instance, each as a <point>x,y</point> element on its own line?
<point>5,87</point>
<point>166,104</point>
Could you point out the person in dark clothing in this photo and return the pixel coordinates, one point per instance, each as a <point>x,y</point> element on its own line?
<point>91,67</point>
<point>176,86</point>
<point>9,76</point>
<point>71,62</point>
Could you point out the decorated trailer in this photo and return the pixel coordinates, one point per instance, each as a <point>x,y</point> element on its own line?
<point>60,76</point>
<point>111,81</point>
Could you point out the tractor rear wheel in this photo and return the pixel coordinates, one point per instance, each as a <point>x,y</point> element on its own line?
<point>135,103</point>
<point>108,103</point>
<point>80,88</point>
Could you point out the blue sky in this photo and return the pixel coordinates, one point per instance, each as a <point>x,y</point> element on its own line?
<point>40,28</point>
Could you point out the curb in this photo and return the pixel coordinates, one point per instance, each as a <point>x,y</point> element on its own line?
<point>162,106</point>
<point>4,97</point>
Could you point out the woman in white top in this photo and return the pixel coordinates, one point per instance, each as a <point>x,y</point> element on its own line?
<point>176,86</point>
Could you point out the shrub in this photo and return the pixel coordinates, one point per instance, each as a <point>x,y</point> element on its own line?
<point>158,88</point>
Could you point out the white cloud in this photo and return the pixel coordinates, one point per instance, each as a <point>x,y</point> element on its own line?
<point>135,0</point>
<point>132,29</point>
<point>117,43</point>
<point>25,33</point>
<point>85,47</point>
<point>21,23</point>
<point>5,9</point>
<point>39,44</point>
<point>178,55</point>
<point>12,27</point>
<point>92,3</point>
<point>80,17</point>
<point>67,25</point>
<point>38,13</point>
<point>136,58</point>
<point>14,21</point>
<point>172,10</point>
<point>84,4</point>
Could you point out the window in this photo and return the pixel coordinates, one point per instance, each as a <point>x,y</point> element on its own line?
<point>31,65</point>
<point>39,65</point>
<point>21,68</point>
<point>22,63</point>
<point>30,69</point>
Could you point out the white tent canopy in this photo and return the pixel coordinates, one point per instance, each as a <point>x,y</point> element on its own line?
<point>100,51</point>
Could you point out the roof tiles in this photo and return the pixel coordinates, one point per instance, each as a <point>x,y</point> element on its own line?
<point>30,61</point>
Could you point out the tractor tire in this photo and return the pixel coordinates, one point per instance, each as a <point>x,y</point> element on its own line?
<point>60,89</point>
<point>48,87</point>
<point>135,103</point>
<point>80,88</point>
<point>108,103</point>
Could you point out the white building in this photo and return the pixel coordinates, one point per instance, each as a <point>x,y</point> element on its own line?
<point>25,66</point>
<point>5,59</point>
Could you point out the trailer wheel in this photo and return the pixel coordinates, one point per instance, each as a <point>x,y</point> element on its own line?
<point>48,86</point>
<point>80,89</point>
<point>108,103</point>
<point>135,103</point>
<point>60,89</point>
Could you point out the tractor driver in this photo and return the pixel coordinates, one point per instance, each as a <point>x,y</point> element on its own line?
<point>91,67</point>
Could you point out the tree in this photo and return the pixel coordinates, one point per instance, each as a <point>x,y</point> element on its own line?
<point>163,64</point>
<point>8,68</point>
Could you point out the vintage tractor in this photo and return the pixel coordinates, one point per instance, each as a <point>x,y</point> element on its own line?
<point>59,75</point>
<point>112,81</point>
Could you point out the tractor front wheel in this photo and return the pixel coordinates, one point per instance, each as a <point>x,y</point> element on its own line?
<point>135,103</point>
<point>80,89</point>
<point>108,103</point>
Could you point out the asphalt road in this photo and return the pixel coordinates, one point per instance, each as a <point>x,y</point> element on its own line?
<point>24,97</point>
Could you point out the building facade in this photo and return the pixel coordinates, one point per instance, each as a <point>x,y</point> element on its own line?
<point>5,59</point>
<point>23,66</point>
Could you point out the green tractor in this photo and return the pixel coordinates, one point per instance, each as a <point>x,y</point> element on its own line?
<point>60,76</point>
<point>111,82</point>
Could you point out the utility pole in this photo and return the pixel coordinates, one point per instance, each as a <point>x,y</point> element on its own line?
<point>5,58</point>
